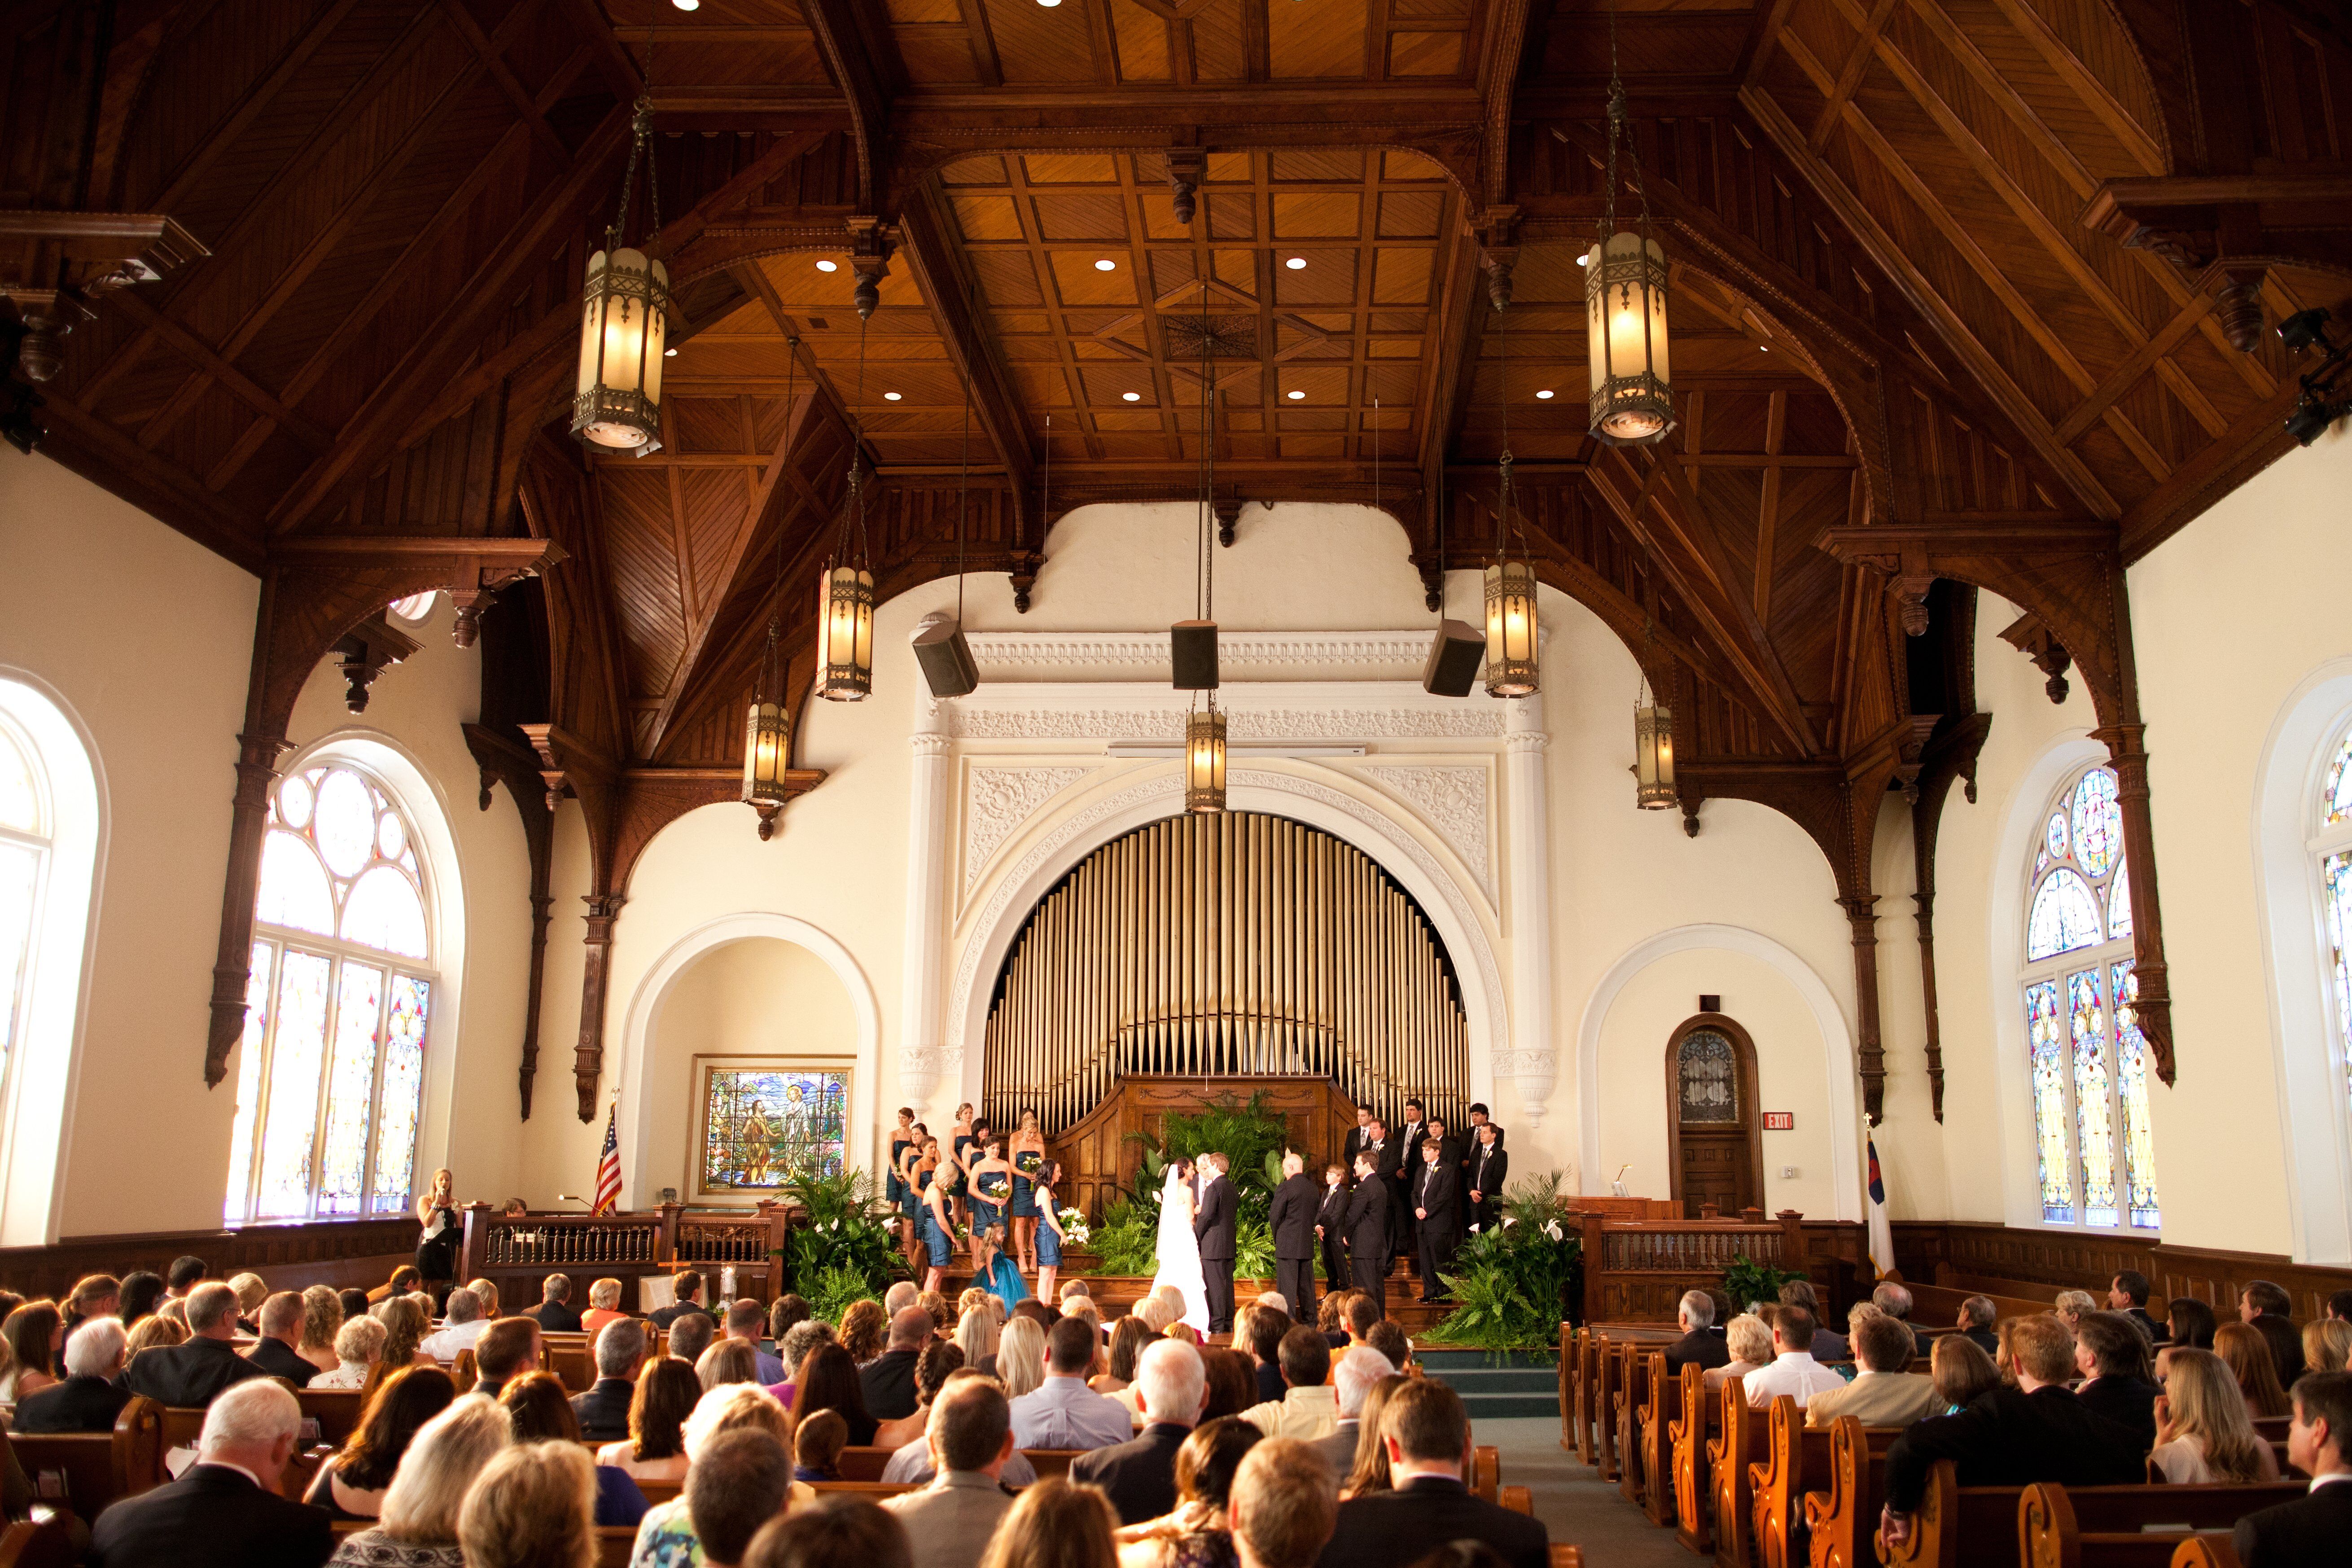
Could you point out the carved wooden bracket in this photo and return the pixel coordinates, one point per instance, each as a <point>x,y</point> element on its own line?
<point>54,265</point>
<point>1026,563</point>
<point>2029,636</point>
<point>2213,228</point>
<point>1229,513</point>
<point>367,651</point>
<point>1187,166</point>
<point>870,244</point>
<point>503,759</point>
<point>1498,252</point>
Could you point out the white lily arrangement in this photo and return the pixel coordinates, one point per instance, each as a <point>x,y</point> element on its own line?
<point>1075,1230</point>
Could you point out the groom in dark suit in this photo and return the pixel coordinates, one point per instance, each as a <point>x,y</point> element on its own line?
<point>1437,1206</point>
<point>1213,1225</point>
<point>1291,1217</point>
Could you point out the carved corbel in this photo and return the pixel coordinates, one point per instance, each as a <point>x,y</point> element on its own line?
<point>2029,636</point>
<point>1498,252</point>
<point>367,651</point>
<point>1229,513</point>
<point>1186,168</point>
<point>869,261</point>
<point>54,265</point>
<point>1026,563</point>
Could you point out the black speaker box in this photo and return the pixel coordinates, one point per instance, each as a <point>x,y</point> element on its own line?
<point>1454,654</point>
<point>945,655</point>
<point>1192,655</point>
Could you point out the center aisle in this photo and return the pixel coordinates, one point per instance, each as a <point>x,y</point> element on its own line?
<point>1575,1505</point>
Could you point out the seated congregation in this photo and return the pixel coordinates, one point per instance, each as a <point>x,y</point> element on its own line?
<point>1927,1446</point>
<point>245,1426</point>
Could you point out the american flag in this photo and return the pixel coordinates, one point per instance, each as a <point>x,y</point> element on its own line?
<point>608,1166</point>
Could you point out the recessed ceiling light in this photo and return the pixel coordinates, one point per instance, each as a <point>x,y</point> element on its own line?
<point>1763,348</point>
<point>1297,264</point>
<point>1106,265</point>
<point>1132,396</point>
<point>889,397</point>
<point>669,353</point>
<point>824,266</point>
<point>1584,261</point>
<point>1049,5</point>
<point>1546,393</point>
<point>687,4</point>
<point>1297,395</point>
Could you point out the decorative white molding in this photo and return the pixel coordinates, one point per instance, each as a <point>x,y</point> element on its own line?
<point>997,801</point>
<point>1453,801</point>
<point>1440,894</point>
<point>1093,650</point>
<point>1166,722</point>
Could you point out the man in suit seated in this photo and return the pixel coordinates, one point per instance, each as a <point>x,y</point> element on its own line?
<point>1062,1412</point>
<point>1282,1506</point>
<point>1702,1344</point>
<point>225,1512</point>
<point>1139,1476</point>
<point>604,1410</point>
<point>2127,1294</point>
<point>508,1348</point>
<point>281,1331</point>
<point>2312,1529</point>
<point>1427,1435</point>
<point>188,1375</point>
<point>554,1311</point>
<point>970,1431</point>
<point>686,1284</point>
<point>2036,1431</point>
<point>86,1401</point>
<point>1885,1393</point>
<point>2265,1306</point>
<point>1975,1323</point>
<point>2114,1361</point>
<point>181,1280</point>
<point>1352,1378</point>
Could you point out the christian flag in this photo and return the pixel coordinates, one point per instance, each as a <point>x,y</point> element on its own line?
<point>1881,1235</point>
<point>608,1166</point>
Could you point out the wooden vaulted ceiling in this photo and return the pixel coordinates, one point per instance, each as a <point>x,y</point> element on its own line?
<point>1894,302</point>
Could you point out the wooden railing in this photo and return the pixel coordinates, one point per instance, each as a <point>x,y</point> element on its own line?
<point>525,1249</point>
<point>1636,1271</point>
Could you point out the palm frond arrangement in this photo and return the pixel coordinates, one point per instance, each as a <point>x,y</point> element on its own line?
<point>1511,1283</point>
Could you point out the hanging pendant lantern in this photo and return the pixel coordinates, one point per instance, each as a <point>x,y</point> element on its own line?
<point>1653,758</point>
<point>844,636</point>
<point>1205,761</point>
<point>624,326</point>
<point>1511,630</point>
<point>1633,396</point>
<point>767,755</point>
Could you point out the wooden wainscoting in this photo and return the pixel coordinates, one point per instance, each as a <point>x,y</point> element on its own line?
<point>2001,1261</point>
<point>340,1253</point>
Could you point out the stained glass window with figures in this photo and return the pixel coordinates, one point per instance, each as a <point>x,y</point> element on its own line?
<point>338,1005</point>
<point>2333,848</point>
<point>1709,1071</point>
<point>2086,1058</point>
<point>764,1125</point>
<point>25,832</point>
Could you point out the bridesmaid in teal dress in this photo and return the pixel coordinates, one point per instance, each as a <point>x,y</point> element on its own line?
<point>992,1186</point>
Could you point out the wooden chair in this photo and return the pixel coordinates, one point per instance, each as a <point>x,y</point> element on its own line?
<point>1518,1500</point>
<point>1740,1435</point>
<point>98,1467</point>
<point>1686,1438</point>
<point>1486,1471</point>
<point>45,1541</point>
<point>1842,1520</point>
<point>1652,1454</point>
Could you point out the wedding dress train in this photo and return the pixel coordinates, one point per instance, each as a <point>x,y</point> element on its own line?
<point>1180,1250</point>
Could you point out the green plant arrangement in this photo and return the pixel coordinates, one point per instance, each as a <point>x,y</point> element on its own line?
<point>1252,1250</point>
<point>1510,1283</point>
<point>1746,1282</point>
<point>830,1292</point>
<point>846,1235</point>
<point>1126,1240</point>
<point>1246,1133</point>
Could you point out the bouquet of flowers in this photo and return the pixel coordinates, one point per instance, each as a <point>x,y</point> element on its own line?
<point>1074,1232</point>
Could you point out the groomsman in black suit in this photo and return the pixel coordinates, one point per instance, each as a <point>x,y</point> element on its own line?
<point>1358,1137</point>
<point>1291,1217</point>
<point>1404,1159</point>
<point>1488,1168</point>
<point>1331,1228</point>
<point>1368,1231</point>
<point>1212,1226</point>
<point>1436,1203</point>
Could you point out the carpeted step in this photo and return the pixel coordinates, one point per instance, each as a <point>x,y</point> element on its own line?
<point>1496,1385</point>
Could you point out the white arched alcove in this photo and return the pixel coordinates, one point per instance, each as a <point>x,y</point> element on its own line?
<point>2012,864</point>
<point>1441,887</point>
<point>639,1031</point>
<point>375,752</point>
<point>2304,1039</point>
<point>1837,1032</point>
<point>43,1079</point>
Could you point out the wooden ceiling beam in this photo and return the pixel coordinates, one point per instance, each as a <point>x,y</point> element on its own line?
<point>2136,142</point>
<point>856,72</point>
<point>923,241</point>
<point>1498,74</point>
<point>1922,296</point>
<point>491,52</point>
<point>199,162</point>
<point>1868,31</point>
<point>212,366</point>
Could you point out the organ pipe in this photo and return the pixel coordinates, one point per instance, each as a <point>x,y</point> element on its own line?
<point>1224,943</point>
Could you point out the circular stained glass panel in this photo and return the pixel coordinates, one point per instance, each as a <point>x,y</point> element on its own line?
<point>2054,838</point>
<point>2098,822</point>
<point>345,832</point>
<point>390,837</point>
<point>294,802</point>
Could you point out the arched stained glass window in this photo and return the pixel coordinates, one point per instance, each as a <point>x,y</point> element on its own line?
<point>2086,1058</point>
<point>25,830</point>
<point>2333,847</point>
<point>341,994</point>
<point>1708,1072</point>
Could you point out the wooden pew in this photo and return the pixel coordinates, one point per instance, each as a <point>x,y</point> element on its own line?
<point>2206,1551</point>
<point>45,1541</point>
<point>1740,1435</point>
<point>1605,1357</point>
<point>2131,1526</point>
<point>462,1371</point>
<point>1634,1365</point>
<point>873,1490</point>
<point>1568,1335</point>
<point>864,1464</point>
<point>336,1410</point>
<point>1652,1453</point>
<point>1486,1471</point>
<point>1518,1500</point>
<point>661,1491</point>
<point>1776,1481</point>
<point>98,1467</point>
<point>1953,1518</point>
<point>1566,1556</point>
<point>1686,1436</point>
<point>569,1358</point>
<point>1845,1519</point>
<point>1587,1353</point>
<point>1051,1462</point>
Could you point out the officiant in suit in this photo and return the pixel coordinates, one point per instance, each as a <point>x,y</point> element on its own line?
<point>1213,1218</point>
<point>1368,1231</point>
<point>1437,1205</point>
<point>1291,1217</point>
<point>1486,1170</point>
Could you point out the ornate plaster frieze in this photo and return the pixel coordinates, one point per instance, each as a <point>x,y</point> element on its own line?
<point>997,801</point>
<point>1453,801</point>
<point>1102,650</point>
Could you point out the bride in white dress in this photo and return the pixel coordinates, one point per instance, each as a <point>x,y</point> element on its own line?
<point>1180,1249</point>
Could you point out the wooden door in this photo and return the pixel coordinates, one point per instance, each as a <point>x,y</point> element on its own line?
<point>1713,1151</point>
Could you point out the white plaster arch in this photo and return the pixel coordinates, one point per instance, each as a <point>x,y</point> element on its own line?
<point>635,1068</point>
<point>44,1082</point>
<point>427,808</point>
<point>2021,829</point>
<point>2304,1039</point>
<point>1442,891</point>
<point>1837,1042</point>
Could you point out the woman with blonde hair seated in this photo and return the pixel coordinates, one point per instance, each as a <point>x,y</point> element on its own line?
<point>322,1318</point>
<point>534,1507</point>
<point>1962,1373</point>
<point>1021,1357</point>
<point>358,1347</point>
<point>2326,1344</point>
<point>157,1328</point>
<point>2248,1356</point>
<point>1750,1344</point>
<point>1370,1473</point>
<point>864,1329</point>
<point>487,1294</point>
<point>729,1361</point>
<point>418,1525</point>
<point>2202,1433</point>
<point>251,1292</point>
<point>978,1333</point>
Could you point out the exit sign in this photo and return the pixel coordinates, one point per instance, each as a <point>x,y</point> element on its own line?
<point>1779,1121</point>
